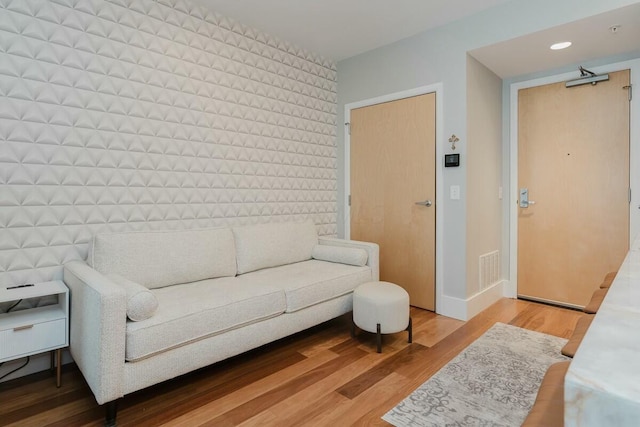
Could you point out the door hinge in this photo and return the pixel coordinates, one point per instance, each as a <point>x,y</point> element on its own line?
<point>348,125</point>
<point>349,199</point>
<point>630,90</point>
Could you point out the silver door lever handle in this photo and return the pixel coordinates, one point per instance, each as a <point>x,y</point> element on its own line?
<point>426,203</point>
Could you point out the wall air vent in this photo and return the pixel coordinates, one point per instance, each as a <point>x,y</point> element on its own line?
<point>488,270</point>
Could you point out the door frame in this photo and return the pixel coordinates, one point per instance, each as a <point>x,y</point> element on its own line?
<point>511,287</point>
<point>436,88</point>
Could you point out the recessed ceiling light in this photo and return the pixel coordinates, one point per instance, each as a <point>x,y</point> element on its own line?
<point>561,45</point>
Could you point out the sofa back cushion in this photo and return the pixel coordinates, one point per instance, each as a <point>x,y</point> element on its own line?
<point>270,245</point>
<point>156,259</point>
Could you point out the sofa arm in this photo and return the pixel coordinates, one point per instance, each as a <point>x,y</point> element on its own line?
<point>98,326</point>
<point>373,250</point>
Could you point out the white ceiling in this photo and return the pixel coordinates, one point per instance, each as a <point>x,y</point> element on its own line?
<point>591,40</point>
<point>338,29</point>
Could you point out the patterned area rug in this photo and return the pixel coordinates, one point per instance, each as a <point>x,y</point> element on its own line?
<point>493,382</point>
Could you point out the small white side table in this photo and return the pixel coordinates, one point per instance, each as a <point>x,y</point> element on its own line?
<point>35,330</point>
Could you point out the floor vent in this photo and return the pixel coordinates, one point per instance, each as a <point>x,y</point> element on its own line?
<point>489,269</point>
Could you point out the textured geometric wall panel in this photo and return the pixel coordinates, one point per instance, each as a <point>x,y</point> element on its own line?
<point>141,114</point>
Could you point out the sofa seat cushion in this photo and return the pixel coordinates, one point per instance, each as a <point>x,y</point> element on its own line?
<point>310,282</point>
<point>194,311</point>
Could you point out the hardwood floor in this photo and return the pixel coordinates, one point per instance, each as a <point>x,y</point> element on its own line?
<point>321,377</point>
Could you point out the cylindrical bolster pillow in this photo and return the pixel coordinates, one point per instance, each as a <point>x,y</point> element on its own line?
<point>141,302</point>
<point>340,254</point>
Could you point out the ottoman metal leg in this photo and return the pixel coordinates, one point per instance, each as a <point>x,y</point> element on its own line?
<point>377,303</point>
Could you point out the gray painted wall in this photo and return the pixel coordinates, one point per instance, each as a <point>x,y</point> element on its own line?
<point>438,56</point>
<point>484,172</point>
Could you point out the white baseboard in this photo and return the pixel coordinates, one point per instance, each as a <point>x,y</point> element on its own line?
<point>37,363</point>
<point>465,309</point>
<point>510,289</point>
<point>452,307</point>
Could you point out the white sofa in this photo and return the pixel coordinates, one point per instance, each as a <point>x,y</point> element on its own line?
<point>201,296</point>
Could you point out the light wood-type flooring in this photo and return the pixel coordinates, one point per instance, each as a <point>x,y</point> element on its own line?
<point>320,377</point>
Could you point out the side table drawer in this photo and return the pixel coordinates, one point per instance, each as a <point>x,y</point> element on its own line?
<point>32,339</point>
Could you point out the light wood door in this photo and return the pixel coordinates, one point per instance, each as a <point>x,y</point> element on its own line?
<point>392,168</point>
<point>573,157</point>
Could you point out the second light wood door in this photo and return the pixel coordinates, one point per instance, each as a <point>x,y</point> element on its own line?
<point>573,157</point>
<point>393,167</point>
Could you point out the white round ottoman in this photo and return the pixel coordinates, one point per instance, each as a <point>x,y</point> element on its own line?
<point>382,308</point>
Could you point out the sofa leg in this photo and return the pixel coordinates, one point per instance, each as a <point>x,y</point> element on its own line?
<point>410,330</point>
<point>110,413</point>
<point>353,329</point>
<point>379,338</point>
